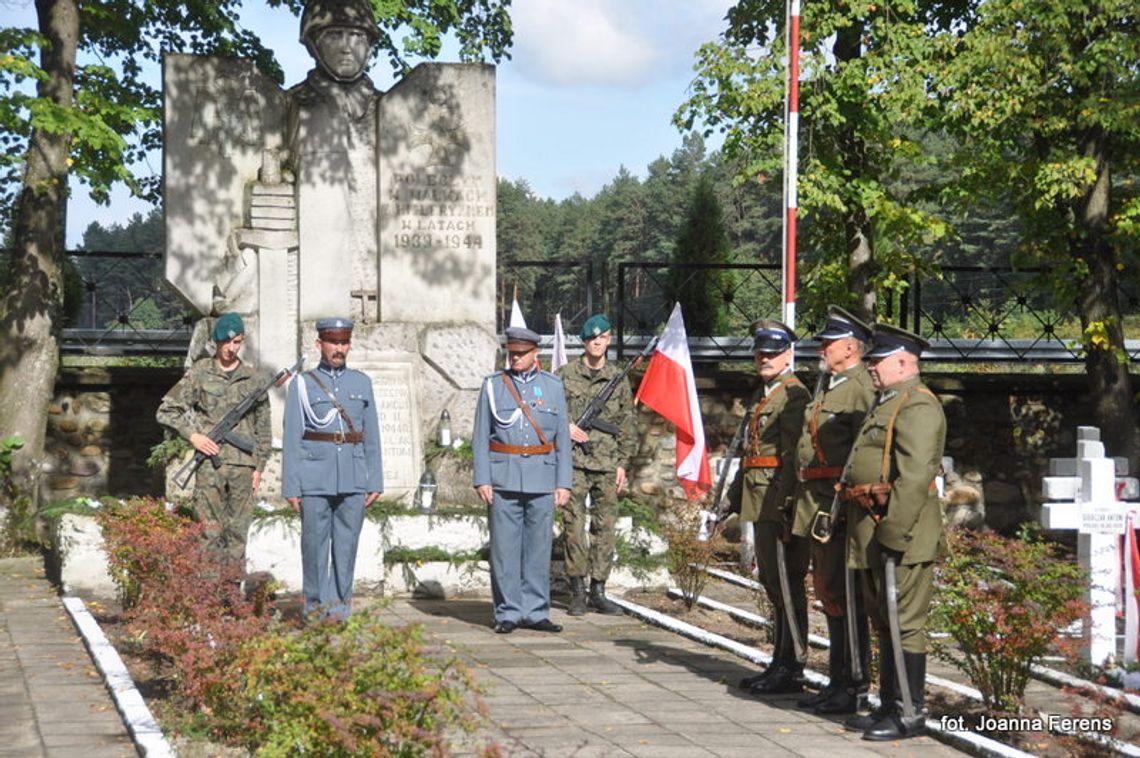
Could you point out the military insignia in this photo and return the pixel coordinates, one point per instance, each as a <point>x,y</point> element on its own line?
<point>887,396</point>
<point>836,381</point>
<point>538,391</point>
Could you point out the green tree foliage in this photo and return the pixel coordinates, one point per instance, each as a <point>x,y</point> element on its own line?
<point>864,68</point>
<point>702,239</point>
<point>1042,96</point>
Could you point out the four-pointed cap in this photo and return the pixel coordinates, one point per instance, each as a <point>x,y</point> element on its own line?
<point>842,323</point>
<point>520,338</point>
<point>334,328</point>
<point>771,336</point>
<point>595,325</point>
<point>889,339</point>
<point>228,326</point>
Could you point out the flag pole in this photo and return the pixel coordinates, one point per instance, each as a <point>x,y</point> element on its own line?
<point>791,161</point>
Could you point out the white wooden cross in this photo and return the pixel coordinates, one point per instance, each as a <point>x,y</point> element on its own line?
<point>1094,487</point>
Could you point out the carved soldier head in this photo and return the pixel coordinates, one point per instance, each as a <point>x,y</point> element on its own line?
<point>340,35</point>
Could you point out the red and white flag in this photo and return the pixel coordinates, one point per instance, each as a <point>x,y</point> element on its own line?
<point>670,389</point>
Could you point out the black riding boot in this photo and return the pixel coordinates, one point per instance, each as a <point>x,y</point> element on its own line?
<point>887,697</point>
<point>577,596</point>
<point>895,726</point>
<point>778,631</point>
<point>837,635</point>
<point>787,672</point>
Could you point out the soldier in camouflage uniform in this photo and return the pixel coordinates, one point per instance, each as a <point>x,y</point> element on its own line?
<point>767,467</point>
<point>842,398</point>
<point>600,460</point>
<point>894,516</point>
<point>223,497</point>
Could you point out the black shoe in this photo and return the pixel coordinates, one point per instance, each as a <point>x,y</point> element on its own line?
<point>505,627</point>
<point>895,727</point>
<point>747,682</point>
<point>544,625</point>
<point>811,701</point>
<point>840,701</point>
<point>784,681</point>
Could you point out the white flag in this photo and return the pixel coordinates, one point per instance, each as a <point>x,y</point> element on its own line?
<point>558,349</point>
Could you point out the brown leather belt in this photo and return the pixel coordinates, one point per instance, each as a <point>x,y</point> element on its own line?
<point>812,473</point>
<point>761,461</point>
<point>339,438</point>
<point>499,447</point>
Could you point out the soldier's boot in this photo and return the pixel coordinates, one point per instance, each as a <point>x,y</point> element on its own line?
<point>577,596</point>
<point>895,726</point>
<point>778,630</point>
<point>837,636</point>
<point>887,697</point>
<point>599,602</point>
<point>854,691</point>
<point>787,673</point>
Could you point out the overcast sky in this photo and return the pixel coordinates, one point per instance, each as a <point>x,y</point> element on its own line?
<point>591,86</point>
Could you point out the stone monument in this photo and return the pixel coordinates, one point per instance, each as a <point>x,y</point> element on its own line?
<point>333,198</point>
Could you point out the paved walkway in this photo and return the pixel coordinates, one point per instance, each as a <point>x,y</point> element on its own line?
<point>613,686</point>
<point>606,686</point>
<point>52,700</point>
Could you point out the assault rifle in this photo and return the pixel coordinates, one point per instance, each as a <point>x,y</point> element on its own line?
<point>223,431</point>
<point>720,512</point>
<point>591,417</point>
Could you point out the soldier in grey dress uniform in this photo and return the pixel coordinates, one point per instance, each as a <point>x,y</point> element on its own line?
<point>521,443</point>
<point>332,469</point>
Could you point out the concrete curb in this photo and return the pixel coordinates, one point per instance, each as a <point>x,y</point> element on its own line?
<point>136,715</point>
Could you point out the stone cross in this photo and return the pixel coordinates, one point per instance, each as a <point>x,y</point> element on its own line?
<point>1089,490</point>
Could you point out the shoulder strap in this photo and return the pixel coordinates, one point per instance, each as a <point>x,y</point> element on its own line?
<point>755,423</point>
<point>885,466</point>
<point>339,408</point>
<point>522,406</point>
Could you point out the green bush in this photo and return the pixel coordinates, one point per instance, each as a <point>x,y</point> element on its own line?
<point>1003,602</point>
<point>17,514</point>
<point>358,687</point>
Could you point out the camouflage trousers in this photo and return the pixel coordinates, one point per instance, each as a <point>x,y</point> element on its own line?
<point>592,556</point>
<point>223,500</point>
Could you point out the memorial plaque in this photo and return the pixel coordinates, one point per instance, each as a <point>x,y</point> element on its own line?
<point>396,407</point>
<point>437,195</point>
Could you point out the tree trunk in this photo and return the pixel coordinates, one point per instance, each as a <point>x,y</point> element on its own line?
<point>857,233</point>
<point>29,313</point>
<point>1110,385</point>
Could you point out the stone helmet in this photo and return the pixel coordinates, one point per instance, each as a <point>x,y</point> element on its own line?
<point>321,14</point>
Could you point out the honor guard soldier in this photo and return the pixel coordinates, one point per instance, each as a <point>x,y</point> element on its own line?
<point>223,495</point>
<point>332,469</point>
<point>521,443</point>
<point>843,394</point>
<point>894,526</point>
<point>601,455</point>
<point>767,465</point>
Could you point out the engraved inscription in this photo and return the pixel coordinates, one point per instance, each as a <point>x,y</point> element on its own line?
<point>394,407</point>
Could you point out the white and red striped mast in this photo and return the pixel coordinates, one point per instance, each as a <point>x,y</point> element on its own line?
<point>791,160</point>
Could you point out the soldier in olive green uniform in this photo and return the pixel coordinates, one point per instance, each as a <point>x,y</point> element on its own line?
<point>223,496</point>
<point>600,459</point>
<point>768,466</point>
<point>893,513</point>
<point>831,422</point>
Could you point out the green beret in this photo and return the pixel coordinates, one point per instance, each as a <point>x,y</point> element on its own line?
<point>595,325</point>
<point>227,327</point>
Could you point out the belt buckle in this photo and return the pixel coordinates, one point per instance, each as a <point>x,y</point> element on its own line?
<point>338,437</point>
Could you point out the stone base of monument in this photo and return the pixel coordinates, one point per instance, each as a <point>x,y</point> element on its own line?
<point>77,553</point>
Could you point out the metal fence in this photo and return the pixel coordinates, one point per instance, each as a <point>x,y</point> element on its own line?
<point>970,313</point>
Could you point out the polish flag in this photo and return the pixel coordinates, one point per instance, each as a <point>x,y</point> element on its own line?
<point>558,349</point>
<point>670,389</point>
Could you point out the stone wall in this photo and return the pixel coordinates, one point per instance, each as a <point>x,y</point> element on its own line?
<point>100,431</point>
